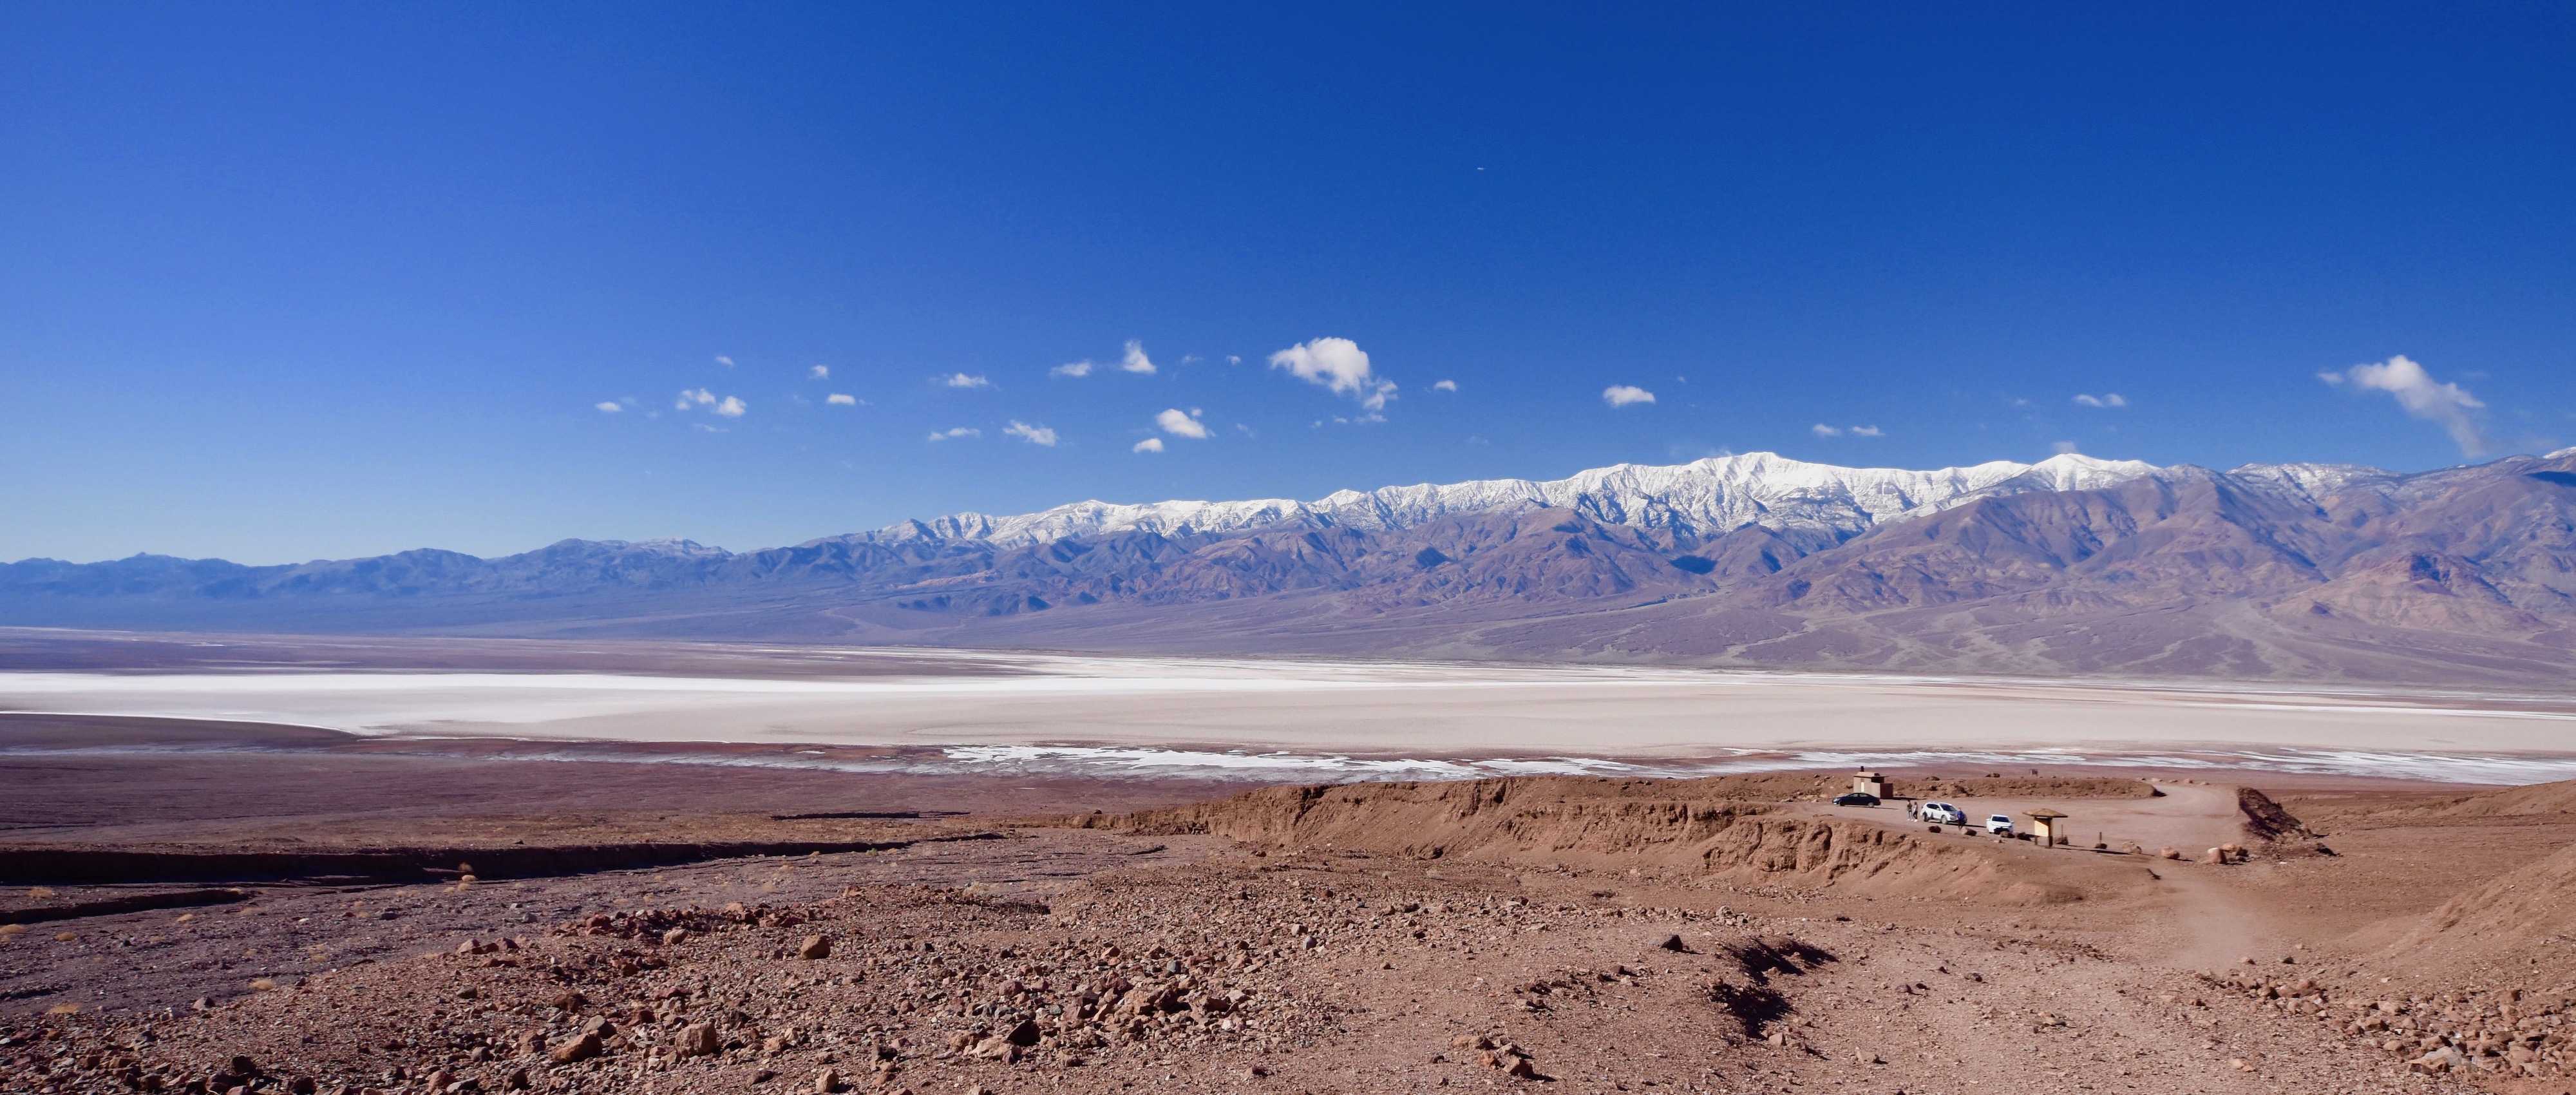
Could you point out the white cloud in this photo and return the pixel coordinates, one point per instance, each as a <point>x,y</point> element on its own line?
<point>1150,444</point>
<point>2064,448</point>
<point>1134,360</point>
<point>2447,404</point>
<point>1340,366</point>
<point>820,372</point>
<point>1867,431</point>
<point>1071,368</point>
<point>724,361</point>
<point>699,397</point>
<point>1822,430</point>
<point>2110,399</point>
<point>842,400</point>
<point>708,428</point>
<point>961,380</point>
<point>608,408</point>
<point>961,431</point>
<point>1621,395</point>
<point>1035,435</point>
<point>1180,423</point>
<point>1445,386</point>
<point>730,407</point>
<point>1234,359</point>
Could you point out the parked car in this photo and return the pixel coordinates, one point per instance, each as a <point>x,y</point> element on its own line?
<point>1999,825</point>
<point>1942,813</point>
<point>1856,798</point>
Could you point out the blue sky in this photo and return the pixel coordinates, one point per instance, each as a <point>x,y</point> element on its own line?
<point>282,282</point>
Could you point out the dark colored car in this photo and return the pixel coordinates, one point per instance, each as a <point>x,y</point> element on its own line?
<point>1857,798</point>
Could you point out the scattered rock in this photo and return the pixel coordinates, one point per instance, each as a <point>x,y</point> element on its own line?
<point>2441,1059</point>
<point>815,946</point>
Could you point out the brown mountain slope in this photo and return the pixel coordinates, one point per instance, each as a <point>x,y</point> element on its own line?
<point>2463,576</point>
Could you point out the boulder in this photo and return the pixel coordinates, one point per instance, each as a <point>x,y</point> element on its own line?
<point>579,1049</point>
<point>698,1040</point>
<point>815,946</point>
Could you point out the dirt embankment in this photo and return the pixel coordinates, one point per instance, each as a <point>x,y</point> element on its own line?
<point>1616,823</point>
<point>2518,927</point>
<point>1999,786</point>
<point>2514,930</point>
<point>94,866</point>
<point>2539,798</point>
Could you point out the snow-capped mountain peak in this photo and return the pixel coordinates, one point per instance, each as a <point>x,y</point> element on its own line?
<point>1696,500</point>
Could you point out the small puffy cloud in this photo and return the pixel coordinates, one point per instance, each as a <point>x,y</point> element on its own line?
<point>1867,431</point>
<point>1150,444</point>
<point>608,408</point>
<point>1035,435</point>
<point>1822,430</point>
<point>2109,399</point>
<point>2448,405</point>
<point>724,361</point>
<point>1181,424</point>
<point>1134,360</point>
<point>1234,359</point>
<point>837,399</point>
<point>2064,448</point>
<point>961,380</point>
<point>1340,366</point>
<point>820,372</point>
<point>730,407</point>
<point>691,398</point>
<point>708,428</point>
<point>1445,386</point>
<point>961,431</point>
<point>1621,395</point>
<point>1071,368</point>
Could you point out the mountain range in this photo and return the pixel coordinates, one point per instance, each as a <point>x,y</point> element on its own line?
<point>2309,572</point>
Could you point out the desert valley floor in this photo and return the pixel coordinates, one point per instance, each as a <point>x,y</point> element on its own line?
<point>212,903</point>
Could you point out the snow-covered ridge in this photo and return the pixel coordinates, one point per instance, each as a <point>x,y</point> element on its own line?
<point>1700,499</point>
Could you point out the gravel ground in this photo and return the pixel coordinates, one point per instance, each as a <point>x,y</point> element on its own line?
<point>1082,961</point>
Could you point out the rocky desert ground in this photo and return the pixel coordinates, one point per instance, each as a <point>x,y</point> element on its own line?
<point>273,921</point>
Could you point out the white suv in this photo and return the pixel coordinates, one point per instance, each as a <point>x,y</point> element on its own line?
<point>1999,825</point>
<point>1940,813</point>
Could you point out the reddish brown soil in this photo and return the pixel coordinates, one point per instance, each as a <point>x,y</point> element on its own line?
<point>1351,939</point>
